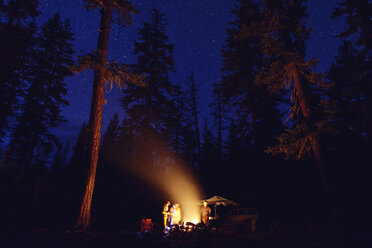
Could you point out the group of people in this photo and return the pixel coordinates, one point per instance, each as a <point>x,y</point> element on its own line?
<point>172,214</point>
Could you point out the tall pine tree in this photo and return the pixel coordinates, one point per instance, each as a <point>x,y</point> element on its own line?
<point>253,110</point>
<point>188,119</point>
<point>208,160</point>
<point>17,39</point>
<point>351,106</point>
<point>32,142</point>
<point>347,94</point>
<point>103,72</point>
<point>359,28</point>
<point>151,110</point>
<point>194,100</point>
<point>283,44</point>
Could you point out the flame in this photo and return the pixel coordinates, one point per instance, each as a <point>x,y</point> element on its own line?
<point>194,221</point>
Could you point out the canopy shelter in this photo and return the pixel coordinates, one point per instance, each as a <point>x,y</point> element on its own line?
<point>218,200</point>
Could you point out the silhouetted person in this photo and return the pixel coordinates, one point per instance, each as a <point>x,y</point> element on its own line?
<point>205,212</point>
<point>166,214</point>
<point>175,214</point>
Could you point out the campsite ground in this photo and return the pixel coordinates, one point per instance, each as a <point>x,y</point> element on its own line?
<point>297,239</point>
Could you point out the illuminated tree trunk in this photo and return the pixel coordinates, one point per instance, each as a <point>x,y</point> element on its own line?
<point>315,145</point>
<point>95,121</point>
<point>302,94</point>
<point>305,107</point>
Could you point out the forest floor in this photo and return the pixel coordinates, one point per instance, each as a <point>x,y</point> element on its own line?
<point>297,239</point>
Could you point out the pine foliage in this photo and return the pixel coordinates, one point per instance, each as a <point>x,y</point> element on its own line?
<point>32,142</point>
<point>151,109</point>
<point>17,39</point>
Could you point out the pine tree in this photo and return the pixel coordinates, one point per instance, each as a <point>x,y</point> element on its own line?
<point>218,117</point>
<point>189,121</point>
<point>17,38</point>
<point>359,27</point>
<point>75,175</point>
<point>110,141</point>
<point>56,189</point>
<point>103,72</point>
<point>208,159</point>
<point>351,104</point>
<point>59,159</point>
<point>110,184</point>
<point>79,160</point>
<point>283,44</point>
<point>151,110</point>
<point>32,142</point>
<point>254,111</point>
<point>194,100</point>
<point>358,19</point>
<point>235,144</point>
<point>347,94</point>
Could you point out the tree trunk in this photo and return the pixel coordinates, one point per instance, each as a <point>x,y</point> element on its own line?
<point>328,199</point>
<point>315,145</point>
<point>302,94</point>
<point>305,107</point>
<point>95,120</point>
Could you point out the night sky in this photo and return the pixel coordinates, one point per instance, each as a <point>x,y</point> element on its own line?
<point>196,27</point>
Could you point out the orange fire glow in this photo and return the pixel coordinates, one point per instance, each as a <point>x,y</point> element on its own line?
<point>171,177</point>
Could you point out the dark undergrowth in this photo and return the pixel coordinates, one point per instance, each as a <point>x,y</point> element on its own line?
<point>310,238</point>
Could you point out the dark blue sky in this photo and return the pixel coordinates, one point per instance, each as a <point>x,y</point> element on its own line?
<point>196,27</point>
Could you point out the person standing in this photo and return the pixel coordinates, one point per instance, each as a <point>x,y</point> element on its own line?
<point>166,214</point>
<point>205,212</point>
<point>177,214</point>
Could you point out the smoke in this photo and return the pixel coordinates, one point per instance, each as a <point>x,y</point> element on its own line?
<point>168,174</point>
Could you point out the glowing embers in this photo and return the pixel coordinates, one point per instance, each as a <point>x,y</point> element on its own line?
<point>189,226</point>
<point>187,229</point>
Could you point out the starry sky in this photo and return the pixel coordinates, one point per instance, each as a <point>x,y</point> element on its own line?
<point>196,27</point>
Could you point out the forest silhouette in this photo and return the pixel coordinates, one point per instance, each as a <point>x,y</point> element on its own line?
<point>283,138</point>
